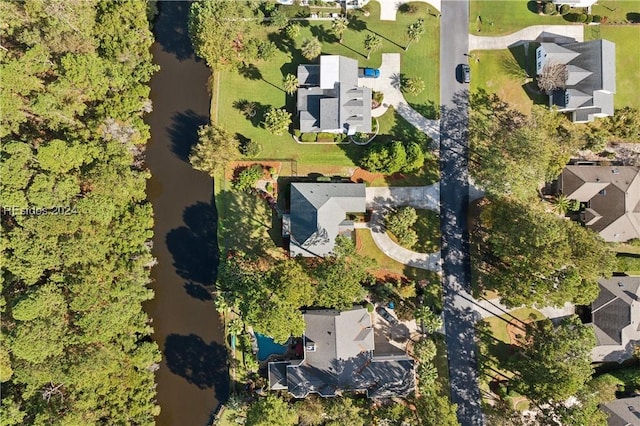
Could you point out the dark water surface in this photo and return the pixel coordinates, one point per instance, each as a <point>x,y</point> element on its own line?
<point>192,378</point>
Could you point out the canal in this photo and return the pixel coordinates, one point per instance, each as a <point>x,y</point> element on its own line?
<point>192,378</point>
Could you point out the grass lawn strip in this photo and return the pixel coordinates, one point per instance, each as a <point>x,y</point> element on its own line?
<point>506,17</point>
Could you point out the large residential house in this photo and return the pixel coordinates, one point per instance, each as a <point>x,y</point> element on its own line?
<point>591,82</point>
<point>615,316</point>
<point>339,355</point>
<point>318,214</point>
<point>329,98</point>
<point>623,411</point>
<point>610,195</point>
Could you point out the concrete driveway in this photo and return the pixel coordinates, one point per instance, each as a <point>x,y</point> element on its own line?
<point>380,200</point>
<point>558,32</point>
<point>389,85</point>
<point>389,8</point>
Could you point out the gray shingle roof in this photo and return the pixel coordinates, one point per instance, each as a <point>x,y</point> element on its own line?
<point>316,213</point>
<point>339,356</point>
<point>623,412</point>
<point>333,101</point>
<point>612,192</point>
<point>612,310</point>
<point>592,77</point>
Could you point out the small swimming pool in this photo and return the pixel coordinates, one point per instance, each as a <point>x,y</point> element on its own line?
<point>267,347</point>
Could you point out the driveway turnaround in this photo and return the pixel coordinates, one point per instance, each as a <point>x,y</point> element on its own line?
<point>389,8</point>
<point>570,32</point>
<point>459,311</point>
<point>389,85</point>
<point>380,200</point>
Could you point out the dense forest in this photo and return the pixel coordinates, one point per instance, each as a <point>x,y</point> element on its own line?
<point>76,229</point>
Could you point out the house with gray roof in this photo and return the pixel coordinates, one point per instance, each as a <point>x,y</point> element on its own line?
<point>611,196</point>
<point>615,317</point>
<point>329,98</point>
<point>318,214</point>
<point>591,83</point>
<point>339,355</point>
<point>623,411</point>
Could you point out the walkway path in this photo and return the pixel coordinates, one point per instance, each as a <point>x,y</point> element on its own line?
<point>389,8</point>
<point>492,307</point>
<point>575,32</point>
<point>380,200</point>
<point>389,85</point>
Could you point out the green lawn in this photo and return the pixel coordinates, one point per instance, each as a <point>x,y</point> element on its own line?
<point>617,11</point>
<point>428,229</point>
<point>505,17</point>
<point>261,83</point>
<point>384,264</point>
<point>626,38</point>
<point>503,72</point>
<point>500,342</point>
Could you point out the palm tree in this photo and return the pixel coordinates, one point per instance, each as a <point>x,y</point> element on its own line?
<point>414,32</point>
<point>311,48</point>
<point>561,204</point>
<point>290,84</point>
<point>249,108</point>
<point>339,26</point>
<point>414,85</point>
<point>235,327</point>
<point>372,43</point>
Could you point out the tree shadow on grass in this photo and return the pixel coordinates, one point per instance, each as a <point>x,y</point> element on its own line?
<point>356,24</point>
<point>184,132</point>
<point>195,247</point>
<point>253,111</point>
<point>200,363</point>
<point>387,39</point>
<point>324,34</point>
<point>515,64</point>
<point>250,72</point>
<point>428,110</point>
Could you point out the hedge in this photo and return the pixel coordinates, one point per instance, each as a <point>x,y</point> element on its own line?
<point>308,137</point>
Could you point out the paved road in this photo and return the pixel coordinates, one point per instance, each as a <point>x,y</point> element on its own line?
<point>459,312</point>
<point>568,32</point>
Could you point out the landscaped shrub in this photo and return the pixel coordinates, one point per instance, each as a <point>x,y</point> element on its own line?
<point>408,8</point>
<point>385,158</point>
<point>248,177</point>
<point>250,148</point>
<point>292,30</point>
<point>378,97</point>
<point>269,187</point>
<point>340,137</point>
<point>564,9</point>
<point>549,8</point>
<point>597,18</point>
<point>581,18</point>
<point>324,179</point>
<point>326,137</point>
<point>308,137</point>
<point>589,19</point>
<point>297,133</point>
<point>399,223</point>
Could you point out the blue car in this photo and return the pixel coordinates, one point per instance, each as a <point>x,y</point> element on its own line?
<point>370,73</point>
